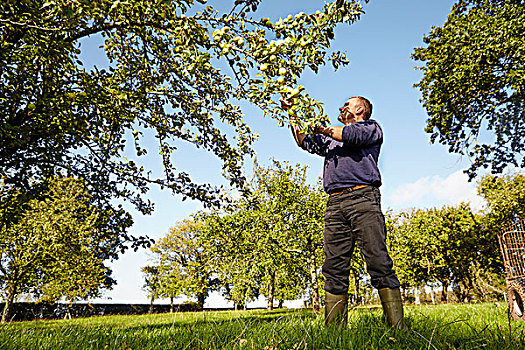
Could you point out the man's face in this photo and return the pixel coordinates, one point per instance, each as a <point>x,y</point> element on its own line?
<point>350,112</point>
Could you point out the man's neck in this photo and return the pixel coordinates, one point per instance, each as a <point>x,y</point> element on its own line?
<point>350,122</point>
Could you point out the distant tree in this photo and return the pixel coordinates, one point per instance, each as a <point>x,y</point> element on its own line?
<point>438,245</point>
<point>152,284</point>
<point>360,285</point>
<point>292,216</point>
<point>270,240</point>
<point>474,81</point>
<point>183,266</point>
<point>54,242</point>
<point>233,246</point>
<point>505,196</point>
<point>170,286</point>
<point>407,247</point>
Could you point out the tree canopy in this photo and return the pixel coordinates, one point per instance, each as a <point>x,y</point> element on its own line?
<point>505,196</point>
<point>267,242</point>
<point>184,266</point>
<point>473,86</point>
<point>56,243</point>
<point>177,72</point>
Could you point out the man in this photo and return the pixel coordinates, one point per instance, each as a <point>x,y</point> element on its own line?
<point>353,213</point>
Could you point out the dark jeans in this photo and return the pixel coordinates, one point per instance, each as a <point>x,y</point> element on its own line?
<point>351,218</point>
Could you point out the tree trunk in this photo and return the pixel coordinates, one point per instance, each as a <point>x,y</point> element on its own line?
<point>466,291</point>
<point>11,292</point>
<point>281,302</point>
<point>240,306</point>
<point>171,305</point>
<point>432,296</point>
<point>356,285</point>
<point>67,316</point>
<point>200,301</point>
<point>316,306</point>
<point>271,291</point>
<point>151,305</point>
<point>417,297</point>
<point>444,293</point>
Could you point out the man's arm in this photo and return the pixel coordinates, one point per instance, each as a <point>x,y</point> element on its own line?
<point>335,132</point>
<point>297,135</point>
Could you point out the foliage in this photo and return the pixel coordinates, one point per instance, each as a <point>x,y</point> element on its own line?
<point>453,246</point>
<point>291,217</point>
<point>437,245</point>
<point>181,265</point>
<point>152,281</point>
<point>174,69</point>
<point>505,196</point>
<point>270,240</point>
<point>406,250</point>
<point>56,244</point>
<point>474,80</point>
<point>232,250</point>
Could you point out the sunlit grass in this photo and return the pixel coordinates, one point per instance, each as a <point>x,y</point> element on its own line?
<point>455,326</point>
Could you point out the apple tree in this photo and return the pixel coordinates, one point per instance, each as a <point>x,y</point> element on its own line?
<point>291,216</point>
<point>505,196</point>
<point>473,84</point>
<point>177,71</point>
<point>55,240</point>
<point>437,245</point>
<point>182,265</point>
<point>269,241</point>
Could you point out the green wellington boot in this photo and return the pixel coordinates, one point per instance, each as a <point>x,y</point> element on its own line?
<point>336,309</point>
<point>393,307</point>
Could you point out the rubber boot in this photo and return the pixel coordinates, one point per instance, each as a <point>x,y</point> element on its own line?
<point>336,309</point>
<point>393,307</point>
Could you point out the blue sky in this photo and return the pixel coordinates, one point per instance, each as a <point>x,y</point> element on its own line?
<point>415,173</point>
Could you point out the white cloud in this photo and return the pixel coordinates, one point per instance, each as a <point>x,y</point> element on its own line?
<point>436,191</point>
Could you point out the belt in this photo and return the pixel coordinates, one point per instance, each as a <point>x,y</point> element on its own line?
<point>348,189</point>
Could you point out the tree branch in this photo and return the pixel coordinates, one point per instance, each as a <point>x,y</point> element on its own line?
<point>27,25</point>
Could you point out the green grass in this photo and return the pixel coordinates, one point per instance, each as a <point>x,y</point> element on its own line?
<point>455,326</point>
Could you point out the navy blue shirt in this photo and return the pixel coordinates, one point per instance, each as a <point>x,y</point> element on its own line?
<point>351,162</point>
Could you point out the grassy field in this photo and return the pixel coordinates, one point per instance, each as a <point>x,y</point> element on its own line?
<point>476,326</point>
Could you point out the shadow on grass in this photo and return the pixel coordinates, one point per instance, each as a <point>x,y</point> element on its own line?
<point>200,320</point>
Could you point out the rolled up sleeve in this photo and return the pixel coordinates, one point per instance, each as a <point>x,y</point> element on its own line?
<point>362,134</point>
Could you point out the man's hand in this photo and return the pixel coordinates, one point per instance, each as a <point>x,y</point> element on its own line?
<point>322,130</point>
<point>285,104</point>
<point>297,135</point>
